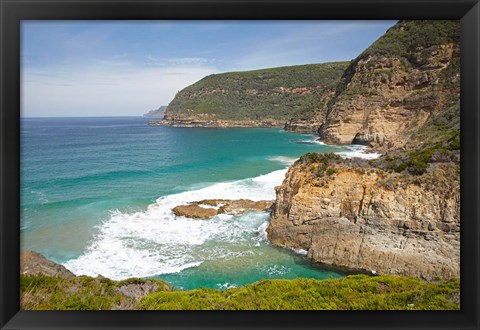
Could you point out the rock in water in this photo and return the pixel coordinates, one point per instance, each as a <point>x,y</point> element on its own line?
<point>208,208</point>
<point>194,211</point>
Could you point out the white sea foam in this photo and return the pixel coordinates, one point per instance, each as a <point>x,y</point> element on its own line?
<point>311,139</point>
<point>262,232</point>
<point>314,141</point>
<point>283,159</point>
<point>41,196</point>
<point>155,241</point>
<point>276,270</point>
<point>225,286</point>
<point>358,151</point>
<point>301,251</point>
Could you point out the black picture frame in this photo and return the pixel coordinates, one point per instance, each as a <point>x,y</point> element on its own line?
<point>13,11</point>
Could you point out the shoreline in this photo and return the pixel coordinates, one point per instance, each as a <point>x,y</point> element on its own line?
<point>165,206</point>
<point>284,126</point>
<point>190,123</point>
<point>120,223</point>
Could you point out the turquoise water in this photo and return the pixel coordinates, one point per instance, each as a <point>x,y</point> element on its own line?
<point>97,193</point>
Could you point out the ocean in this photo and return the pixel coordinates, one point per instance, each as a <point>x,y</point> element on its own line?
<point>97,195</point>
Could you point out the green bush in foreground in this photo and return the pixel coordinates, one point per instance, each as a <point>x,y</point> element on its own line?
<point>352,292</point>
<point>360,292</point>
<point>43,292</point>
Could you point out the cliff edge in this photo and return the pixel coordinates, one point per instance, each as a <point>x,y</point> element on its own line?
<point>358,216</point>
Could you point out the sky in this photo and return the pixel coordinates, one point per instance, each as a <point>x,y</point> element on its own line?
<point>126,68</point>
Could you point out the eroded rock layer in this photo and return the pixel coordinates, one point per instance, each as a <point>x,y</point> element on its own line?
<point>395,85</point>
<point>372,220</point>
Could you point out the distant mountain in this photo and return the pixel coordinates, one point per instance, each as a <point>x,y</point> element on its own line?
<point>156,113</point>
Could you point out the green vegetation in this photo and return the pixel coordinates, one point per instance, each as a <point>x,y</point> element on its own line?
<point>324,163</point>
<point>411,41</point>
<point>79,293</point>
<point>42,292</point>
<point>277,93</point>
<point>315,157</point>
<point>405,37</point>
<point>360,292</point>
<point>437,141</point>
<point>442,128</point>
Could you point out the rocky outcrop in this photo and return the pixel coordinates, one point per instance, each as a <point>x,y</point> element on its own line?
<point>204,121</point>
<point>301,126</point>
<point>399,214</point>
<point>194,211</point>
<point>33,263</point>
<point>396,85</point>
<point>133,290</point>
<point>370,220</point>
<point>117,295</point>
<point>208,208</point>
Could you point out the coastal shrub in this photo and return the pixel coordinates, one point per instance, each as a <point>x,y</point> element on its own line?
<point>309,158</point>
<point>418,161</point>
<point>322,163</point>
<point>406,36</point>
<point>331,171</point>
<point>315,157</point>
<point>353,292</point>
<point>41,292</point>
<point>447,75</point>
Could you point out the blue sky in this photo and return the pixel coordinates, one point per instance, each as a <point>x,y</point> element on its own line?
<point>125,68</point>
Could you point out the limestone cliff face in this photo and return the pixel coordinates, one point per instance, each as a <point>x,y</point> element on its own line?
<point>405,77</point>
<point>372,220</point>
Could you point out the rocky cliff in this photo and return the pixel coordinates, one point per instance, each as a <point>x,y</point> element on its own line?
<point>405,77</point>
<point>260,98</point>
<point>399,214</point>
<point>356,215</point>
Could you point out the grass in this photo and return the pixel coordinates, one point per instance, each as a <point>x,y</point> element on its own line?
<point>41,292</point>
<point>410,41</point>
<point>357,292</point>
<point>406,37</point>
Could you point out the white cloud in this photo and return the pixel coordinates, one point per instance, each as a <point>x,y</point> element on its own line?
<point>177,61</point>
<point>326,42</point>
<point>101,90</point>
